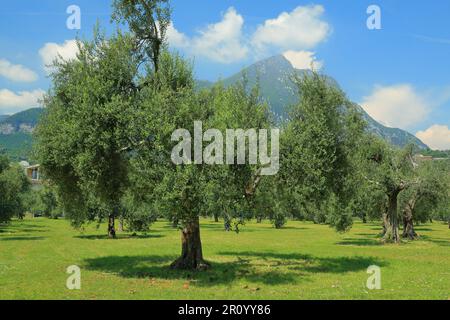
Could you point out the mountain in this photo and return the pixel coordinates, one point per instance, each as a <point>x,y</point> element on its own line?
<point>274,78</point>
<point>16,133</point>
<point>397,137</point>
<point>24,121</point>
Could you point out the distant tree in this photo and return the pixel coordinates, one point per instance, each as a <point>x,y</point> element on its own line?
<point>316,152</point>
<point>436,153</point>
<point>33,203</point>
<point>441,212</point>
<point>422,198</point>
<point>13,186</point>
<point>50,202</point>
<point>43,201</point>
<point>233,187</point>
<point>137,213</point>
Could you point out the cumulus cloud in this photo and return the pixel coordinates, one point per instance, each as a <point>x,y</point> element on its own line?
<point>225,41</point>
<point>437,137</point>
<point>16,72</point>
<point>176,39</point>
<point>303,28</point>
<point>221,42</point>
<point>51,51</point>
<point>303,60</point>
<point>11,102</point>
<point>398,106</point>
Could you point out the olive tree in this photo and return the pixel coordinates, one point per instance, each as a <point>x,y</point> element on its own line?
<point>180,119</point>
<point>421,199</point>
<point>316,152</point>
<point>83,131</point>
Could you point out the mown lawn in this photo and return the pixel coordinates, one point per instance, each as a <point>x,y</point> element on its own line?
<point>301,261</point>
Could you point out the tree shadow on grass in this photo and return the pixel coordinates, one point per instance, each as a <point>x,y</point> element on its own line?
<point>21,238</point>
<point>311,264</point>
<point>441,242</point>
<point>293,228</point>
<point>158,267</point>
<point>22,227</point>
<point>438,241</point>
<point>362,242</point>
<point>119,236</point>
<point>263,268</point>
<point>419,228</point>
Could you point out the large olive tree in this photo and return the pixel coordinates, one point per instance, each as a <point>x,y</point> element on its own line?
<point>85,126</point>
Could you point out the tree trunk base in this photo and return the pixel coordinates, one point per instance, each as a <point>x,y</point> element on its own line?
<point>388,239</point>
<point>410,236</point>
<point>191,248</point>
<point>390,219</point>
<point>392,234</point>
<point>408,222</point>
<point>187,264</point>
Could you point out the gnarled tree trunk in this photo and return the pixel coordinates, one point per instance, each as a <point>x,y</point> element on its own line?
<point>191,248</point>
<point>391,223</point>
<point>408,225</point>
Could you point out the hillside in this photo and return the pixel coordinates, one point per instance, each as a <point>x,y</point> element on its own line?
<point>16,133</point>
<point>274,78</point>
<point>24,121</point>
<point>17,145</point>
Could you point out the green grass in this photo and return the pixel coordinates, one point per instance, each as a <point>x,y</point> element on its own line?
<point>301,261</point>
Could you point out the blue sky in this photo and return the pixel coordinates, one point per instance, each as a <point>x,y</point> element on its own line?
<point>400,74</point>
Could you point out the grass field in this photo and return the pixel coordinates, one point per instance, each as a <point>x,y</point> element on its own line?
<point>301,261</point>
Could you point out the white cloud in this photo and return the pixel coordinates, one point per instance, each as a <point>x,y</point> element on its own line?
<point>51,51</point>
<point>303,28</point>
<point>16,72</point>
<point>225,41</point>
<point>398,106</point>
<point>437,137</point>
<point>175,38</point>
<point>11,102</point>
<point>221,42</point>
<point>303,60</point>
